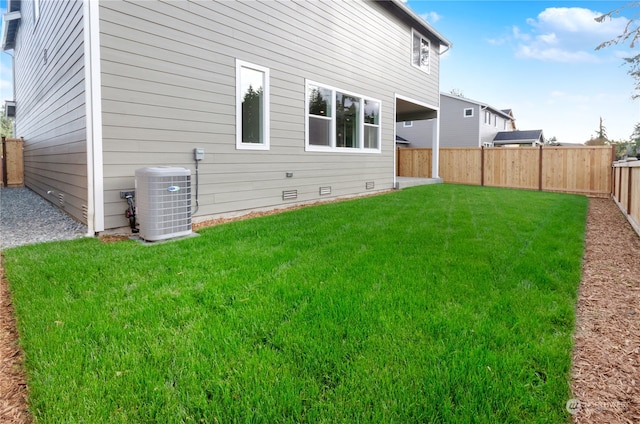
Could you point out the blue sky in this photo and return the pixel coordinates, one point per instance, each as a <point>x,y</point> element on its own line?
<point>535,57</point>
<point>538,58</point>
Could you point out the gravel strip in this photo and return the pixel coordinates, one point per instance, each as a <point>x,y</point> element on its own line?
<point>27,218</point>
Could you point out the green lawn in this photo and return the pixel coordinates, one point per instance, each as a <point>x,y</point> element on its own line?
<point>439,303</point>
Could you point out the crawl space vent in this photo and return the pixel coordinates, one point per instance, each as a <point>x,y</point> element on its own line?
<point>325,191</point>
<point>289,194</point>
<point>369,185</point>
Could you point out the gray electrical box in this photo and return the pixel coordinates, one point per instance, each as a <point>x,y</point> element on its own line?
<point>198,154</point>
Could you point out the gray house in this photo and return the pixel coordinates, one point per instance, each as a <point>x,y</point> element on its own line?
<point>290,102</point>
<point>463,123</point>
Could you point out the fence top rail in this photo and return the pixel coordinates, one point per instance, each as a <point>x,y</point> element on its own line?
<point>626,164</point>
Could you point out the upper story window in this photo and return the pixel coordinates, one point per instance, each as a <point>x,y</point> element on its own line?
<point>407,124</point>
<point>487,117</point>
<point>468,112</point>
<point>36,10</point>
<point>420,52</point>
<point>341,121</point>
<point>252,106</point>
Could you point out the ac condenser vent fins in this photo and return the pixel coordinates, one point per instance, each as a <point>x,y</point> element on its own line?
<point>163,202</point>
<point>289,194</point>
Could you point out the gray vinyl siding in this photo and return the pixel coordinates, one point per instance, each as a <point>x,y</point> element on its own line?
<point>51,103</point>
<point>457,130</point>
<point>419,134</point>
<point>168,86</point>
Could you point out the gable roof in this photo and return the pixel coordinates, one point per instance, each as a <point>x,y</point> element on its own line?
<point>518,137</point>
<point>503,112</point>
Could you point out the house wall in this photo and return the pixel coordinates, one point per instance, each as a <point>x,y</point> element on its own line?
<point>456,130</point>
<point>419,134</point>
<point>50,103</point>
<point>168,86</point>
<point>491,125</point>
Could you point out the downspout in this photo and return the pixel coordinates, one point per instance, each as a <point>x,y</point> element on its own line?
<point>435,149</point>
<point>482,109</point>
<point>93,113</point>
<point>395,147</point>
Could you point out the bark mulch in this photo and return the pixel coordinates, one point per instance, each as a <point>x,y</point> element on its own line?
<point>606,356</point>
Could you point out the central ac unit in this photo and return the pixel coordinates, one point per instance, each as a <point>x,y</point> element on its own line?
<point>163,202</point>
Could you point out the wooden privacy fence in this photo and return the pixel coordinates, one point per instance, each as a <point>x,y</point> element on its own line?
<point>582,170</point>
<point>12,162</point>
<point>626,190</point>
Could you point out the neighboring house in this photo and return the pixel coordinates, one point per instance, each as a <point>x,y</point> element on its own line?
<point>290,97</point>
<point>463,123</point>
<point>519,138</point>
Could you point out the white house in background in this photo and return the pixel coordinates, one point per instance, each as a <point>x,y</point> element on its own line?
<point>290,101</point>
<point>464,123</point>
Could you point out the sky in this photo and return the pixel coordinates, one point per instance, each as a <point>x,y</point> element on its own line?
<point>538,58</point>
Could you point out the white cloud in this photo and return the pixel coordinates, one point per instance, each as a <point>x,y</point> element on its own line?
<point>431,17</point>
<point>565,34</point>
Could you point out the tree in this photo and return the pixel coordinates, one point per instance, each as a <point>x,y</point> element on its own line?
<point>630,34</point>
<point>601,132</point>
<point>553,141</point>
<point>252,116</point>
<point>457,92</point>
<point>6,125</point>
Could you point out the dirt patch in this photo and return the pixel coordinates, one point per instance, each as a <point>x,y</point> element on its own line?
<point>606,357</point>
<point>13,382</point>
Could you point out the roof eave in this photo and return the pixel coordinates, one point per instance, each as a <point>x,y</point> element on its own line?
<point>424,24</point>
<point>10,23</point>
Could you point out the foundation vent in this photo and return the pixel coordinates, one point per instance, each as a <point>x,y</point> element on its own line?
<point>369,185</point>
<point>325,191</point>
<point>289,194</point>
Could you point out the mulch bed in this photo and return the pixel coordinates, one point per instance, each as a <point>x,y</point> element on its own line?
<point>606,357</point>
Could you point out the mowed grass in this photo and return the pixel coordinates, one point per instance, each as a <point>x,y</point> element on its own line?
<point>433,304</point>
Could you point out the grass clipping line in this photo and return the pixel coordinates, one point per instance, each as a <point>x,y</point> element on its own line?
<point>13,383</point>
<point>606,355</point>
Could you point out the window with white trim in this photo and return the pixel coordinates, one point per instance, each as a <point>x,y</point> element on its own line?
<point>420,51</point>
<point>468,112</point>
<point>252,106</point>
<point>36,11</point>
<point>341,121</point>
<point>407,124</point>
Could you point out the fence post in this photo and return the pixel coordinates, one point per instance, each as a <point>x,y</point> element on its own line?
<point>540,169</point>
<point>482,166</point>
<point>3,165</point>
<point>629,192</point>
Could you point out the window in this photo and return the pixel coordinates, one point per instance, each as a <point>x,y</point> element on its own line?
<point>252,106</point>
<point>468,112</point>
<point>36,10</point>
<point>487,117</point>
<point>338,120</point>
<point>407,124</point>
<point>420,52</point>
